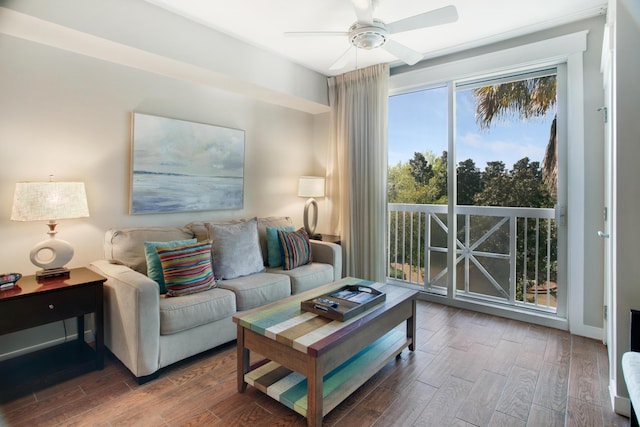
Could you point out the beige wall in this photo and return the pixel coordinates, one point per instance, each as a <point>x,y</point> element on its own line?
<point>68,115</point>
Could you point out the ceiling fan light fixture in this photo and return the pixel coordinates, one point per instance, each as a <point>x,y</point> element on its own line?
<point>368,40</point>
<point>368,37</point>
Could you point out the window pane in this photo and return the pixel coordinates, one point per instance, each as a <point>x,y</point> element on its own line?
<point>503,130</point>
<point>417,147</point>
<point>418,177</point>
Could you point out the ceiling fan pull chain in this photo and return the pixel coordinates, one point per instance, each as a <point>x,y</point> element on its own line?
<point>356,59</point>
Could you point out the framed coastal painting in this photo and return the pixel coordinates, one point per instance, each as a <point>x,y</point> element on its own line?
<point>179,166</point>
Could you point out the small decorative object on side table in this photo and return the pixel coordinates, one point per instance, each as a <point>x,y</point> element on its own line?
<point>32,302</point>
<point>331,238</point>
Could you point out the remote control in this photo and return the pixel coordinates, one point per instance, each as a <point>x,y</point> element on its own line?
<point>8,280</point>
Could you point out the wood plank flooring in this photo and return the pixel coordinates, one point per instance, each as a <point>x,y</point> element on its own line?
<point>469,369</point>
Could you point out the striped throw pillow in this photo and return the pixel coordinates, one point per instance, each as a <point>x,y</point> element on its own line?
<point>154,268</point>
<point>295,248</point>
<point>187,268</point>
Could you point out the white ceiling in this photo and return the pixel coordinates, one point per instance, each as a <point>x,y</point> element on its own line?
<point>263,23</point>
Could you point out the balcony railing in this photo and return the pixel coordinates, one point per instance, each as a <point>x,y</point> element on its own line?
<point>502,255</point>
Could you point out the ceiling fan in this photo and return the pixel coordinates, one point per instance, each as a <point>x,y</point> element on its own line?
<point>371,33</point>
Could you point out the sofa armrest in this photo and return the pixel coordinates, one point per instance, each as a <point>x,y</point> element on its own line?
<point>328,253</point>
<point>631,373</point>
<point>131,317</point>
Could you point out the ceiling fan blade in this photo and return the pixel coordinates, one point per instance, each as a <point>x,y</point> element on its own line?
<point>315,33</point>
<point>364,11</point>
<point>341,61</point>
<point>402,52</point>
<point>444,15</point>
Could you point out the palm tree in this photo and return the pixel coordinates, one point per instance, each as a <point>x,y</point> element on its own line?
<point>526,99</point>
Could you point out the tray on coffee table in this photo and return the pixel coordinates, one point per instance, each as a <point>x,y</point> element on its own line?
<point>344,303</point>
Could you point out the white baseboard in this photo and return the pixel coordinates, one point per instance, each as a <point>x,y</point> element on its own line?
<point>587,331</point>
<point>621,405</point>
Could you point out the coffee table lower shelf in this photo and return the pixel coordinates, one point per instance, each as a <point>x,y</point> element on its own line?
<point>290,388</point>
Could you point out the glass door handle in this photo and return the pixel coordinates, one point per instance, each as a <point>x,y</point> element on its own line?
<point>603,235</point>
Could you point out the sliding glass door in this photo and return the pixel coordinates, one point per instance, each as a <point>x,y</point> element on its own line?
<point>497,138</point>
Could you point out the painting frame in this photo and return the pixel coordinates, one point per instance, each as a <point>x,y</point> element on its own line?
<point>184,166</point>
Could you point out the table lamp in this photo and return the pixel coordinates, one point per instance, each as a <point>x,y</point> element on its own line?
<point>311,186</point>
<point>38,201</point>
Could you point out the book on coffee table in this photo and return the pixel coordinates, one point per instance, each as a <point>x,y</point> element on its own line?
<point>344,303</point>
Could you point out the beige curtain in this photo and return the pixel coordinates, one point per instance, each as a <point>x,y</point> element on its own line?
<point>357,169</point>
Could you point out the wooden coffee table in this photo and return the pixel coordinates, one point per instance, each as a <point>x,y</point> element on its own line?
<point>313,363</point>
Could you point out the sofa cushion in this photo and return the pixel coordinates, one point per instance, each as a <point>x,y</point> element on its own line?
<point>187,268</point>
<point>154,267</point>
<point>274,256</point>
<point>295,248</point>
<point>236,250</point>
<point>199,230</point>
<point>126,245</point>
<point>307,276</point>
<point>257,289</point>
<point>202,232</point>
<point>189,311</point>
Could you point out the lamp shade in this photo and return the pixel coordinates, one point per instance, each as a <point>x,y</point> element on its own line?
<point>35,201</point>
<point>311,186</point>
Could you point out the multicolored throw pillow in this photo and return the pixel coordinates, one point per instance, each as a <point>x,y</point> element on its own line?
<point>187,269</point>
<point>154,268</point>
<point>295,248</point>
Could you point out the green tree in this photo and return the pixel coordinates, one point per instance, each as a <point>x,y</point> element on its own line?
<point>421,170</point>
<point>402,187</point>
<point>527,185</point>
<point>526,99</point>
<point>522,186</point>
<point>469,182</point>
<point>439,180</point>
<point>418,181</point>
<point>493,169</point>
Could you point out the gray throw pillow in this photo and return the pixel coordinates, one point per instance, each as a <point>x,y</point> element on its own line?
<point>236,249</point>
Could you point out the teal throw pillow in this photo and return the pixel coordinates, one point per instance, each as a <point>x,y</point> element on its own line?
<point>154,267</point>
<point>274,257</point>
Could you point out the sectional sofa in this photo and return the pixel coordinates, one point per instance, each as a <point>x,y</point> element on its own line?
<point>148,330</point>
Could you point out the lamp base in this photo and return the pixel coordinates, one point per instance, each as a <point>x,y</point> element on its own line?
<point>310,228</point>
<point>51,255</point>
<point>52,272</point>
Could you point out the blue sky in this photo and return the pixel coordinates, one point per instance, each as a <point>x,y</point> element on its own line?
<point>418,122</point>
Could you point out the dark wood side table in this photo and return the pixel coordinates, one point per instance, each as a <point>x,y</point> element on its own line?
<point>37,302</point>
